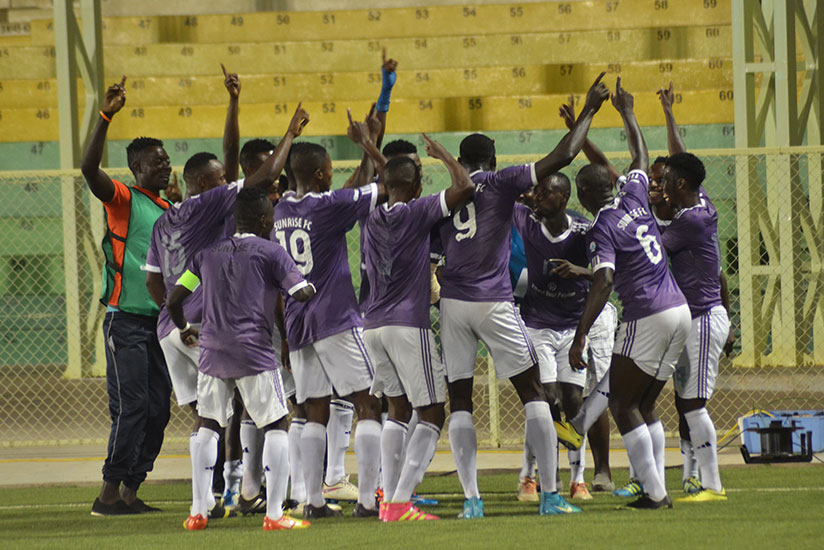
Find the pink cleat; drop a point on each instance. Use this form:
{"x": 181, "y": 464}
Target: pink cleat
{"x": 404, "y": 511}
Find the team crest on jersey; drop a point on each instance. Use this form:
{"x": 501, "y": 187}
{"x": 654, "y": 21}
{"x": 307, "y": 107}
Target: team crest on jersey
{"x": 591, "y": 247}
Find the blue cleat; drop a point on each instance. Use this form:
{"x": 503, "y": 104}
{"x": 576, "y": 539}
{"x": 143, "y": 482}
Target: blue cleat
{"x": 473, "y": 508}
{"x": 633, "y": 488}
{"x": 554, "y": 503}
{"x": 418, "y": 500}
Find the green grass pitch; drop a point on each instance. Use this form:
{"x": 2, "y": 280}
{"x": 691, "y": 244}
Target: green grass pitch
{"x": 769, "y": 506}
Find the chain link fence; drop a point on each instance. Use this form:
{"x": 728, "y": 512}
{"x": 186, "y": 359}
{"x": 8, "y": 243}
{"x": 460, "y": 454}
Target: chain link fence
{"x": 771, "y": 230}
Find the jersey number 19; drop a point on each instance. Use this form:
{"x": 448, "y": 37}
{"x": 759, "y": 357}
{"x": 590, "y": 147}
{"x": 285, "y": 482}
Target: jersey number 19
{"x": 300, "y": 248}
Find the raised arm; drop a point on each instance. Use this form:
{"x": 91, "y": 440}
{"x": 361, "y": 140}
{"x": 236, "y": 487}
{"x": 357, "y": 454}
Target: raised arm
{"x": 593, "y": 153}
{"x": 598, "y": 295}
{"x": 365, "y": 172}
{"x": 269, "y": 172}
{"x": 358, "y": 132}
{"x": 99, "y": 182}
{"x": 624, "y": 104}
{"x": 388, "y": 78}
{"x": 571, "y": 144}
{"x": 462, "y": 188}
{"x": 675, "y": 144}
{"x": 231, "y": 132}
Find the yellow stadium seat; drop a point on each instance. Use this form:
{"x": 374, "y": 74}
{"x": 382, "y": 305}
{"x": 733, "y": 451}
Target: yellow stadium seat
{"x": 527, "y": 112}
{"x": 424, "y": 21}
{"x": 36, "y": 62}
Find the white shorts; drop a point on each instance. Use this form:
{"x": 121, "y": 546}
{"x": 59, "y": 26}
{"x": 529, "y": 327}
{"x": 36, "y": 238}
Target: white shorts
{"x": 655, "y": 342}
{"x": 285, "y": 376}
{"x": 338, "y": 362}
{"x": 697, "y": 368}
{"x": 600, "y": 342}
{"x": 406, "y": 363}
{"x": 552, "y": 347}
{"x": 497, "y": 324}
{"x": 262, "y": 396}
{"x": 182, "y": 362}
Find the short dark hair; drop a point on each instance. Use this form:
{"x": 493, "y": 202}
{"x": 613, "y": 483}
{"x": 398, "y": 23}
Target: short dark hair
{"x": 400, "y": 172}
{"x": 399, "y": 147}
{"x": 250, "y": 204}
{"x": 689, "y": 167}
{"x": 196, "y": 163}
{"x": 253, "y": 147}
{"x": 661, "y": 160}
{"x": 477, "y": 149}
{"x": 307, "y": 158}
{"x": 560, "y": 179}
{"x": 594, "y": 176}
{"x": 137, "y": 146}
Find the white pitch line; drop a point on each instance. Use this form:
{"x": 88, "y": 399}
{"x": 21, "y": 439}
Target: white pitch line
{"x": 433, "y": 495}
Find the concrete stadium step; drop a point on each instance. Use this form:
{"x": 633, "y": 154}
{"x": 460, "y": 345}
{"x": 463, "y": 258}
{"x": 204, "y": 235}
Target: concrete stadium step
{"x": 45, "y": 154}
{"x": 622, "y": 46}
{"x": 494, "y": 113}
{"x": 400, "y": 22}
{"x": 641, "y": 76}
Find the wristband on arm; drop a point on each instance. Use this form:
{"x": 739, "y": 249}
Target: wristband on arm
{"x": 386, "y": 90}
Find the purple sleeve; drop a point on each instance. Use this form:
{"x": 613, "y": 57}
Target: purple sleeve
{"x": 431, "y": 209}
{"x": 520, "y": 217}
{"x": 351, "y": 205}
{"x": 601, "y": 249}
{"x": 284, "y": 271}
{"x": 152, "y": 256}
{"x": 515, "y": 180}
{"x": 219, "y": 202}
{"x": 636, "y": 186}
{"x": 435, "y": 244}
{"x": 678, "y": 234}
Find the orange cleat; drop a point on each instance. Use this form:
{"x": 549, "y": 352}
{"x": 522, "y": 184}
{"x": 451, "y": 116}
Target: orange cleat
{"x": 284, "y": 523}
{"x": 195, "y": 523}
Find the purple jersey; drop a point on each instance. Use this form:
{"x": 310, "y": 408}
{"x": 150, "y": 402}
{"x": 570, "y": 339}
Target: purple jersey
{"x": 183, "y": 230}
{"x": 396, "y": 247}
{"x": 312, "y": 229}
{"x": 240, "y": 279}
{"x": 691, "y": 241}
{"x": 552, "y": 301}
{"x": 475, "y": 241}
{"x": 625, "y": 237}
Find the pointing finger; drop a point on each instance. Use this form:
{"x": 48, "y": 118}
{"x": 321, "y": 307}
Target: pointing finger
{"x": 123, "y": 81}
{"x": 383, "y": 55}
{"x": 618, "y": 85}
{"x": 349, "y": 114}
{"x": 600, "y": 76}
{"x": 224, "y": 71}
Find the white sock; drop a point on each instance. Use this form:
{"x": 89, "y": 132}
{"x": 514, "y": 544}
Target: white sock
{"x": 232, "y": 474}
{"x": 204, "y": 456}
{"x": 298, "y": 489}
{"x": 528, "y": 465}
{"x": 276, "y": 467}
{"x": 659, "y": 452}
{"x": 464, "y": 444}
{"x": 252, "y": 465}
{"x": 639, "y": 448}
{"x": 410, "y": 429}
{"x": 392, "y": 441}
{"x": 702, "y": 433}
{"x": 384, "y": 417}
{"x": 338, "y": 431}
{"x": 688, "y": 458}
{"x": 578, "y": 463}
{"x": 368, "y": 453}
{"x": 594, "y": 406}
{"x": 631, "y": 470}
{"x": 543, "y": 440}
{"x": 312, "y": 448}
{"x": 419, "y": 455}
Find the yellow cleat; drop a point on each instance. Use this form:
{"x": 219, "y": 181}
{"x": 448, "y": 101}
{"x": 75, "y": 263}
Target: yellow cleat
{"x": 704, "y": 495}
{"x": 568, "y": 436}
